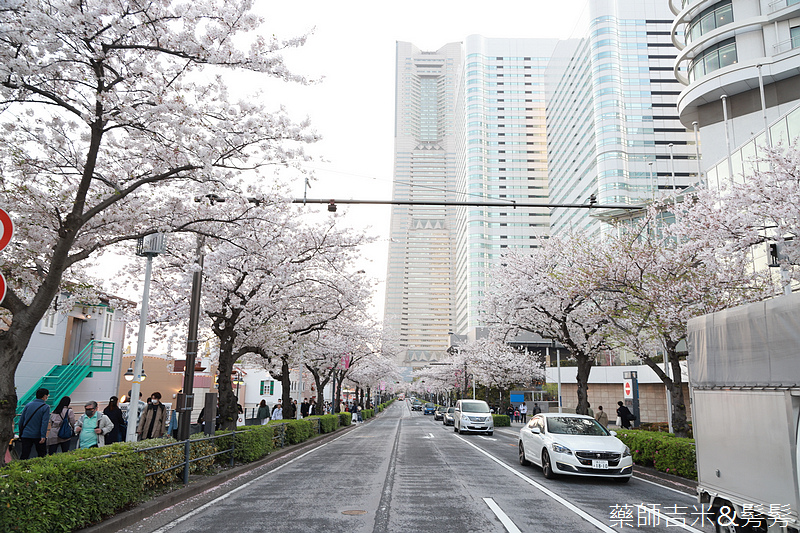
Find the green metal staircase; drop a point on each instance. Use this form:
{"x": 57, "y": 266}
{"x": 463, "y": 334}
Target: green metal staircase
{"x": 62, "y": 380}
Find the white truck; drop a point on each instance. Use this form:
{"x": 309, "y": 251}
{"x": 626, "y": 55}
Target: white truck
{"x": 744, "y": 374}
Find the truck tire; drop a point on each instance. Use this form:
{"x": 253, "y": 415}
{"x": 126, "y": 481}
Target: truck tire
{"x": 730, "y": 525}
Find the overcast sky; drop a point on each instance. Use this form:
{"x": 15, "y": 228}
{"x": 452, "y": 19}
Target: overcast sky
{"x": 353, "y": 49}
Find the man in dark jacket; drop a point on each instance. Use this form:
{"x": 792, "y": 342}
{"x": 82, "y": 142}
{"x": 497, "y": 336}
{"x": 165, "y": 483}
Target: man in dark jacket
{"x": 33, "y": 425}
{"x": 625, "y": 415}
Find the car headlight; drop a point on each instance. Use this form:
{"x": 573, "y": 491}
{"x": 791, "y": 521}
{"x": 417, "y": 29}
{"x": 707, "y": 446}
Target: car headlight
{"x": 561, "y": 449}
{"x": 627, "y": 452}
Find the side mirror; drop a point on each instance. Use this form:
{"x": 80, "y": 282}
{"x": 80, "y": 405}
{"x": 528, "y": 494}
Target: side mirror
{"x": 536, "y": 430}
{"x": 612, "y": 433}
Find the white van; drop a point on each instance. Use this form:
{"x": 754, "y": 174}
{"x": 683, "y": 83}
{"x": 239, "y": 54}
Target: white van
{"x": 473, "y": 415}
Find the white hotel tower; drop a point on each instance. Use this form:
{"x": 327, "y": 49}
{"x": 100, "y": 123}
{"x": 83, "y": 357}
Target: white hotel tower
{"x": 420, "y": 279}
{"x": 739, "y": 61}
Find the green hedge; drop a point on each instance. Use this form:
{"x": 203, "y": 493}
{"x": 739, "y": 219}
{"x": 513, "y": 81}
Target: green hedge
{"x": 663, "y": 451}
{"x": 298, "y": 431}
{"x": 65, "y": 492}
{"x": 327, "y": 423}
{"x": 251, "y": 444}
{"x": 501, "y": 421}
{"x": 367, "y": 413}
{"x": 345, "y": 419}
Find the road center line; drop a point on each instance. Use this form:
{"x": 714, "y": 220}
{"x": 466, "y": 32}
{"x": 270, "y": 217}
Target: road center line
{"x": 578, "y": 511}
{"x": 503, "y": 517}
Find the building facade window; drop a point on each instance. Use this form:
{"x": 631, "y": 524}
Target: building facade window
{"x": 795, "y": 35}
{"x": 267, "y": 387}
{"x": 108, "y": 323}
{"x": 718, "y": 56}
{"x": 49, "y": 322}
{"x": 710, "y": 19}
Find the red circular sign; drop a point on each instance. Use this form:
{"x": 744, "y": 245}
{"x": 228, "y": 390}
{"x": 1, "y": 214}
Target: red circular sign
{"x": 2, "y": 287}
{"x": 8, "y": 230}
{"x": 627, "y": 388}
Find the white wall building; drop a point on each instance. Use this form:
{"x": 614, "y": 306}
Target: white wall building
{"x": 730, "y": 49}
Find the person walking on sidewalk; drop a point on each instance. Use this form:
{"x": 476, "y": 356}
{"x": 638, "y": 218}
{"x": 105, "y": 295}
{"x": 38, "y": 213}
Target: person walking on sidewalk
{"x": 92, "y": 427}
{"x": 523, "y": 412}
{"x": 601, "y": 416}
{"x": 33, "y": 425}
{"x": 62, "y": 414}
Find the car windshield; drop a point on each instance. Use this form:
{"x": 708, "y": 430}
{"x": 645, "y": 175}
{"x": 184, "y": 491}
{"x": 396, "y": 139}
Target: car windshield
{"x": 474, "y": 407}
{"x": 429, "y": 405}
{"x": 451, "y": 409}
{"x": 567, "y": 425}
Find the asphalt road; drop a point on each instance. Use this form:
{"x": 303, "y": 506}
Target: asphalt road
{"x": 404, "y": 472}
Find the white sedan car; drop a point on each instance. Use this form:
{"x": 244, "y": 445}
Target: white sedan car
{"x": 577, "y": 445}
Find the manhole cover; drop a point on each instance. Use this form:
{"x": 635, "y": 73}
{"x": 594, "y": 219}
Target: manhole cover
{"x": 354, "y": 512}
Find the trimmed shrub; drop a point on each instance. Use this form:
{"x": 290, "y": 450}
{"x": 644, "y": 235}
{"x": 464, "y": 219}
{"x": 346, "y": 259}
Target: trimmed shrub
{"x": 251, "y": 444}
{"x": 345, "y": 419}
{"x": 367, "y": 413}
{"x": 663, "y": 451}
{"x": 298, "y": 431}
{"x": 501, "y": 421}
{"x": 65, "y": 492}
{"x": 328, "y": 423}
{"x": 157, "y": 460}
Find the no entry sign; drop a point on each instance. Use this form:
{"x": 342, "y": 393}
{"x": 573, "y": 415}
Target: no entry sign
{"x": 7, "y": 229}
{"x": 627, "y": 389}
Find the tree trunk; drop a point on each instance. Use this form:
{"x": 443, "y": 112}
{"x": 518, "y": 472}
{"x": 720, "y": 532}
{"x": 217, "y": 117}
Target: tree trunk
{"x": 228, "y": 412}
{"x": 286, "y": 384}
{"x": 584, "y": 368}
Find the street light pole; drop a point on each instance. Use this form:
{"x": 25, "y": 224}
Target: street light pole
{"x": 148, "y": 247}
{"x": 186, "y": 400}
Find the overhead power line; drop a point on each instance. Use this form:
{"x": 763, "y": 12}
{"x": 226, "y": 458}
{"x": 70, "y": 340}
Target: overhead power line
{"x": 513, "y": 205}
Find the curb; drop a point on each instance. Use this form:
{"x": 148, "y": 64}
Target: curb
{"x": 202, "y": 484}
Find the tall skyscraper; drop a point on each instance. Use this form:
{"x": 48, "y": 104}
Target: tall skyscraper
{"x": 420, "y": 277}
{"x": 504, "y": 159}
{"x": 614, "y": 135}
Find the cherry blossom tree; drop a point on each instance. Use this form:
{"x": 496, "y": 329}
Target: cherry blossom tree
{"x": 268, "y": 283}
{"x": 114, "y": 116}
{"x": 649, "y": 282}
{"x": 548, "y": 293}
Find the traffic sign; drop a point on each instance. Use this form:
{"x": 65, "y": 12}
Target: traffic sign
{"x": 2, "y": 287}
{"x": 7, "y": 228}
{"x": 628, "y": 390}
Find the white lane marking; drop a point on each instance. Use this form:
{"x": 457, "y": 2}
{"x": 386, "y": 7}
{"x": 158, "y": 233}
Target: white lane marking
{"x": 487, "y": 438}
{"x": 190, "y": 514}
{"x": 660, "y": 485}
{"x": 428, "y": 436}
{"x": 578, "y": 511}
{"x": 503, "y": 517}
{"x": 668, "y": 519}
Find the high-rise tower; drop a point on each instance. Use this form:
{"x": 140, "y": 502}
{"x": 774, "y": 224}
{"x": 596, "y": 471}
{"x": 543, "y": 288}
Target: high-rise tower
{"x": 419, "y": 286}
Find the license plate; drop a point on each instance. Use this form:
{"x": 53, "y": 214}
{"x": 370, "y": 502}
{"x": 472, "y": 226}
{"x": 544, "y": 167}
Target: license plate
{"x": 599, "y": 465}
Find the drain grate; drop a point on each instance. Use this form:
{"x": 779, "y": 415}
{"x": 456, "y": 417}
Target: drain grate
{"x": 354, "y": 512}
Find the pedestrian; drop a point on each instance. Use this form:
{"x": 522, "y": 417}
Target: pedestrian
{"x": 33, "y": 424}
{"x": 601, "y": 416}
{"x": 62, "y": 414}
{"x": 92, "y": 427}
{"x": 536, "y": 409}
{"x": 114, "y": 413}
{"x": 624, "y": 416}
{"x": 523, "y": 412}
{"x": 312, "y": 408}
{"x": 516, "y": 414}
{"x": 139, "y": 409}
{"x": 263, "y": 412}
{"x": 304, "y": 407}
{"x": 589, "y": 410}
{"x": 154, "y": 421}
{"x": 201, "y": 418}
{"x": 353, "y": 413}
{"x": 277, "y": 411}
{"x": 510, "y": 412}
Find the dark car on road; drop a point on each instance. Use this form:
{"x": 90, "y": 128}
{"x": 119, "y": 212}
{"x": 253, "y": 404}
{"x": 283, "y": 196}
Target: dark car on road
{"x": 438, "y": 414}
{"x": 428, "y": 409}
{"x": 416, "y": 405}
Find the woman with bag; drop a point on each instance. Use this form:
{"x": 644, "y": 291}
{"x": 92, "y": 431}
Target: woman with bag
{"x": 114, "y": 413}
{"x": 59, "y": 434}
